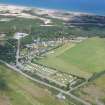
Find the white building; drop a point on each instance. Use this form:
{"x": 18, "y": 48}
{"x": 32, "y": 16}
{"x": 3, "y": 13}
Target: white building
{"x": 19, "y": 35}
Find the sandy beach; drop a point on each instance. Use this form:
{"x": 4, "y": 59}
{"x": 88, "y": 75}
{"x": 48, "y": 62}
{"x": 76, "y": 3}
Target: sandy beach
{"x": 16, "y": 10}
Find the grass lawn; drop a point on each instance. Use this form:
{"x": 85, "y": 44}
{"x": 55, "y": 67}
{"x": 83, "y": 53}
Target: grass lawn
{"x": 83, "y": 59}
{"x": 22, "y": 91}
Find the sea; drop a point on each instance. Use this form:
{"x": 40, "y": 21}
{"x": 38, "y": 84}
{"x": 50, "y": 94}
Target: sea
{"x": 88, "y": 6}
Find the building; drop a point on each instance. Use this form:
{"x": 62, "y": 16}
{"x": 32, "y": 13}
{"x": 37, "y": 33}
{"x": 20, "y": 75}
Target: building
{"x": 19, "y": 35}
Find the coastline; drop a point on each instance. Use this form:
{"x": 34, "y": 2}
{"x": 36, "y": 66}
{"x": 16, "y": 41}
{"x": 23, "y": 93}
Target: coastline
{"x": 15, "y": 10}
{"x": 46, "y": 9}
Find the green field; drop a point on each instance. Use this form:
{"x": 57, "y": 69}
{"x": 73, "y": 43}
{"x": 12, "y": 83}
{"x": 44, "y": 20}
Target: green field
{"x": 83, "y": 59}
{"x": 22, "y": 91}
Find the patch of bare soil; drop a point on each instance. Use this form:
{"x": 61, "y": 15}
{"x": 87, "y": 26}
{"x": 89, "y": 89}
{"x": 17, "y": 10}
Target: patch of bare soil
{"x": 92, "y": 93}
{"x": 4, "y": 100}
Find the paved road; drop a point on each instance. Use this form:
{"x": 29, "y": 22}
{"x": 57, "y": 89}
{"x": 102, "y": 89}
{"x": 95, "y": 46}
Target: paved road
{"x": 46, "y": 84}
{"x": 82, "y": 84}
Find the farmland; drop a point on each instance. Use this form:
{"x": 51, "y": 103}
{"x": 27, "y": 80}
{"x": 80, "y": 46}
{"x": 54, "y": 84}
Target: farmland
{"x": 83, "y": 59}
{"x": 22, "y": 91}
{"x": 94, "y": 92}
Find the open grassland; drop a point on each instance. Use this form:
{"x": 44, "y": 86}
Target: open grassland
{"x": 82, "y": 59}
{"x": 22, "y": 91}
{"x": 94, "y": 92}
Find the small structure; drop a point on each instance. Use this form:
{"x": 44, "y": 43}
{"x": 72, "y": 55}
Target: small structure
{"x": 61, "y": 96}
{"x": 2, "y": 35}
{"x": 19, "y": 35}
